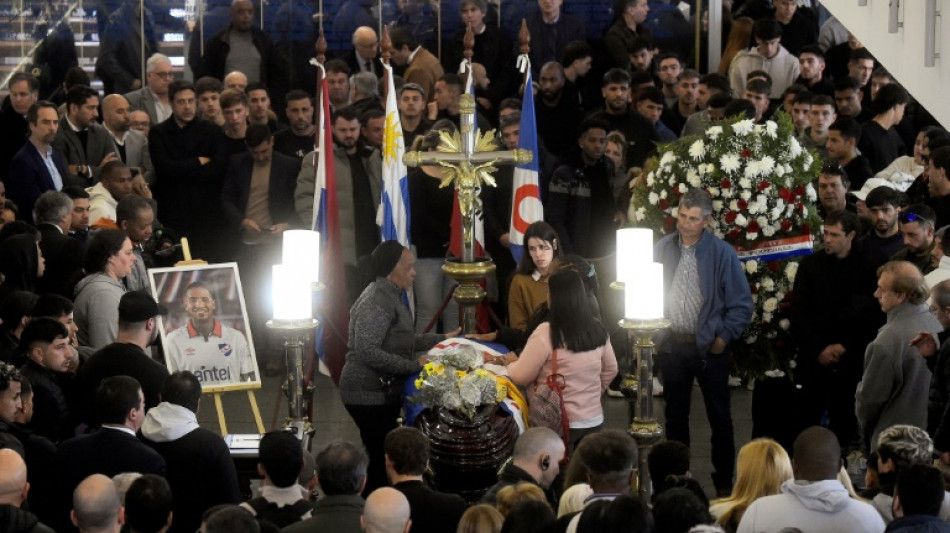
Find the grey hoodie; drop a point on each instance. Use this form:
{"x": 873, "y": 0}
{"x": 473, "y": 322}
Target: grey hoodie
{"x": 816, "y": 507}
{"x": 167, "y": 422}
{"x": 97, "y": 309}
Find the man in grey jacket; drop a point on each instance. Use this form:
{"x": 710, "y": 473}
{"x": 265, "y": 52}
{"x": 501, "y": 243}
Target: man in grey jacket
{"x": 895, "y": 374}
{"x": 358, "y": 189}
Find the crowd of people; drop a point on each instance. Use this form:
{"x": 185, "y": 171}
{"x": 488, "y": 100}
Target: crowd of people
{"x": 95, "y": 189}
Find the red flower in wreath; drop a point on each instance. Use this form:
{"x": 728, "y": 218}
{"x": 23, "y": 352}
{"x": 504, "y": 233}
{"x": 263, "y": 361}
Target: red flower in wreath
{"x": 730, "y": 217}
{"x": 725, "y": 184}
{"x": 746, "y": 153}
{"x": 785, "y": 194}
{"x": 664, "y": 204}
{"x": 742, "y": 205}
{"x": 786, "y": 225}
{"x": 763, "y": 185}
{"x": 753, "y": 226}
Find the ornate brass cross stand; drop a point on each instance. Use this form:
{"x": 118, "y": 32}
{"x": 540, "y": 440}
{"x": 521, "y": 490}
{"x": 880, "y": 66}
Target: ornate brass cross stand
{"x": 468, "y": 160}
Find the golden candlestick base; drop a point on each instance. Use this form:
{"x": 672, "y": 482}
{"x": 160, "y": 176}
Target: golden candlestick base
{"x": 469, "y": 292}
{"x": 637, "y": 388}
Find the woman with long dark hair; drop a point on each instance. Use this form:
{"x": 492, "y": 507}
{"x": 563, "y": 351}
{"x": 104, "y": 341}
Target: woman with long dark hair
{"x": 528, "y": 290}
{"x": 585, "y": 357}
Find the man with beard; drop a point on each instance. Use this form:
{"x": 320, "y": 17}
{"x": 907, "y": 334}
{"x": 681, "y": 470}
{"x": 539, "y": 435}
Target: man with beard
{"x": 190, "y": 158}
{"x": 127, "y": 356}
{"x": 556, "y": 114}
{"x": 298, "y": 140}
{"x": 359, "y": 184}
{"x": 131, "y": 146}
{"x": 917, "y": 226}
{"x": 687, "y": 85}
{"x": 85, "y": 144}
{"x": 885, "y": 239}
{"x": 638, "y": 131}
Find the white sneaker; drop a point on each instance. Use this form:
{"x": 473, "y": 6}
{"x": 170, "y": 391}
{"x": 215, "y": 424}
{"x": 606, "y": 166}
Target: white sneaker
{"x": 657, "y": 388}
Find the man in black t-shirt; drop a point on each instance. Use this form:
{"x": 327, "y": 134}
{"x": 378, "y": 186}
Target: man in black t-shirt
{"x": 298, "y": 140}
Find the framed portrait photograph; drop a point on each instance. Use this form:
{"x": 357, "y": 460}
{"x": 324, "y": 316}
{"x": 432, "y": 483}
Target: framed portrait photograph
{"x": 206, "y": 330}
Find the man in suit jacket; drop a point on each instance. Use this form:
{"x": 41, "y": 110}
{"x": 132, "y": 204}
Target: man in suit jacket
{"x": 423, "y": 68}
{"x": 364, "y": 55}
{"x": 198, "y": 465}
{"x": 37, "y": 167}
{"x": 86, "y": 145}
{"x": 63, "y": 254}
{"x": 407, "y": 458}
{"x": 114, "y": 449}
{"x": 257, "y": 201}
{"x": 131, "y": 146}
{"x": 153, "y": 98}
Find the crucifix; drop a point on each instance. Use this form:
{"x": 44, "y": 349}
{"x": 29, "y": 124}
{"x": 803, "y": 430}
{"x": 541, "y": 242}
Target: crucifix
{"x": 468, "y": 159}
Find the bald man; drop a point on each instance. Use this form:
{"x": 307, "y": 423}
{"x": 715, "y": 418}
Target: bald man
{"x": 96, "y": 506}
{"x": 13, "y": 491}
{"x": 130, "y": 145}
{"x": 386, "y": 511}
{"x": 364, "y": 55}
{"x": 236, "y": 80}
{"x": 895, "y": 375}
{"x": 536, "y": 459}
{"x": 240, "y": 46}
{"x": 815, "y": 500}
{"x": 556, "y": 113}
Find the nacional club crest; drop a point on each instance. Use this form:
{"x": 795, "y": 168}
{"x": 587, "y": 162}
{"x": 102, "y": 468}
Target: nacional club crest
{"x": 225, "y": 349}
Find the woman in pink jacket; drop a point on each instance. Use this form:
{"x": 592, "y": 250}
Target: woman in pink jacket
{"x": 584, "y": 355}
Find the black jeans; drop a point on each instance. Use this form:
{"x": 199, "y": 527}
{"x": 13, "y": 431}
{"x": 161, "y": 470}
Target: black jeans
{"x": 681, "y": 364}
{"x": 375, "y": 422}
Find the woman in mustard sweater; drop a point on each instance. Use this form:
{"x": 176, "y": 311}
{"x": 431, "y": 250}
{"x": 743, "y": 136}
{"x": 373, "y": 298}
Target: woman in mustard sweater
{"x": 529, "y": 284}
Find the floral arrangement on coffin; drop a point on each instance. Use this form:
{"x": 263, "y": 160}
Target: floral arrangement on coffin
{"x": 457, "y": 381}
{"x": 760, "y": 180}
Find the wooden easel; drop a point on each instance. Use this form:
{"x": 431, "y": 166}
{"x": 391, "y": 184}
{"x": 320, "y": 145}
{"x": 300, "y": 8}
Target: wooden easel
{"x": 217, "y": 391}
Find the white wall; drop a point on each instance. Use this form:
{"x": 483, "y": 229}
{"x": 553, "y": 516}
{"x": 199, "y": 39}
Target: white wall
{"x": 902, "y": 53}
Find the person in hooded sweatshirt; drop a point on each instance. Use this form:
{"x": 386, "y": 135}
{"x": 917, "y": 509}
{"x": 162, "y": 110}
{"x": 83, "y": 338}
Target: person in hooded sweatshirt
{"x": 815, "y": 501}
{"x": 198, "y": 464}
{"x": 109, "y": 259}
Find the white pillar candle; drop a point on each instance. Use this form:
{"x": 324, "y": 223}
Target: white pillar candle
{"x": 291, "y": 294}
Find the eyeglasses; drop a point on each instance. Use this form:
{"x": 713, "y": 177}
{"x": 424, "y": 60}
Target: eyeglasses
{"x": 906, "y": 217}
{"x": 165, "y": 75}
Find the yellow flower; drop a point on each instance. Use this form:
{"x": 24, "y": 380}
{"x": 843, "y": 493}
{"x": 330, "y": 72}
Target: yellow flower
{"x": 419, "y": 383}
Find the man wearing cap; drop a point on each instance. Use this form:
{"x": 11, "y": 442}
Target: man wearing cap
{"x": 412, "y": 108}
{"x": 216, "y": 354}
{"x": 128, "y": 355}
